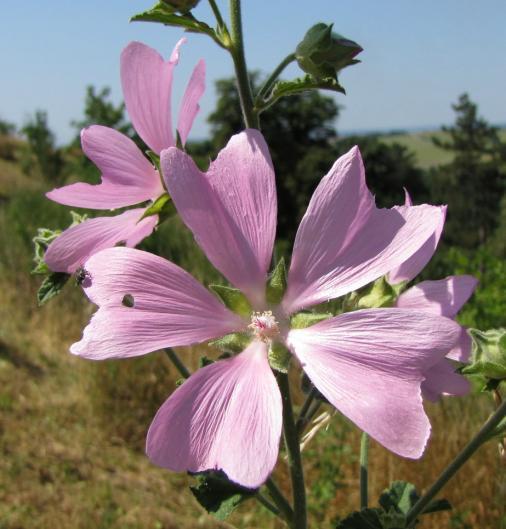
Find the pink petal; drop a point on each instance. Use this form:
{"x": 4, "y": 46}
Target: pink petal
{"x": 127, "y": 176}
{"x": 75, "y": 245}
{"x": 231, "y": 209}
{"x": 170, "y": 307}
{"x": 445, "y": 296}
{"x": 227, "y": 416}
{"x": 370, "y": 364}
{"x": 416, "y": 263}
{"x": 345, "y": 242}
{"x": 190, "y": 102}
{"x": 147, "y": 87}
{"x": 462, "y": 351}
{"x": 441, "y": 379}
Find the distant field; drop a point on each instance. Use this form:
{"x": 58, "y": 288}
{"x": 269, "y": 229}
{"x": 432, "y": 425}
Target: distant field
{"x": 427, "y": 154}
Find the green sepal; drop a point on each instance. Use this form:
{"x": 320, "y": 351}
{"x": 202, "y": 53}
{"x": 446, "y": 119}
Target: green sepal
{"x": 279, "y": 357}
{"x": 499, "y": 431}
{"x": 276, "y": 284}
{"x": 301, "y": 320}
{"x": 155, "y": 160}
{"x": 164, "y": 14}
{"x": 489, "y": 354}
{"x": 41, "y": 241}
{"x": 232, "y": 343}
{"x": 180, "y": 381}
{"x": 51, "y": 286}
{"x": 322, "y": 53}
{"x": 162, "y": 206}
{"x": 218, "y": 495}
{"x": 379, "y": 295}
{"x": 233, "y": 299}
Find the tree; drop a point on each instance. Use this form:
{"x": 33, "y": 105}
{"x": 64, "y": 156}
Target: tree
{"x": 475, "y": 181}
{"x": 42, "y": 149}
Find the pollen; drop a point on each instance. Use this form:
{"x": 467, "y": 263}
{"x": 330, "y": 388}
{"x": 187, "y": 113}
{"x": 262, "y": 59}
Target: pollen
{"x": 264, "y": 325}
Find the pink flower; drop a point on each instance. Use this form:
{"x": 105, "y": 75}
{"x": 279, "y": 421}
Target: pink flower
{"x": 369, "y": 364}
{"x": 128, "y": 177}
{"x": 445, "y": 297}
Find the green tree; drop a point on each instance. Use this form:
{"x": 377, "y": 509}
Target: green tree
{"x": 474, "y": 182}
{"x": 42, "y": 151}
{"x": 7, "y": 128}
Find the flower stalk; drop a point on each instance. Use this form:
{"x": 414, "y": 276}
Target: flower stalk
{"x": 473, "y": 445}
{"x": 364, "y": 471}
{"x": 174, "y": 358}
{"x": 294, "y": 458}
{"x": 269, "y": 83}
{"x": 237, "y": 51}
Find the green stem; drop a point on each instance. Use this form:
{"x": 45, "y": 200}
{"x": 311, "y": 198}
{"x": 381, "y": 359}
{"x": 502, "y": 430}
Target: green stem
{"x": 364, "y": 470}
{"x": 293, "y": 451}
{"x": 454, "y": 466}
{"x": 267, "y": 504}
{"x": 184, "y": 372}
{"x": 241, "y": 72}
{"x": 217, "y": 14}
{"x": 307, "y": 411}
{"x": 274, "y": 76}
{"x": 280, "y": 501}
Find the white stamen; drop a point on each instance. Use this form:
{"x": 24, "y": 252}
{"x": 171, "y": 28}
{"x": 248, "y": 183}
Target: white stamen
{"x": 264, "y": 325}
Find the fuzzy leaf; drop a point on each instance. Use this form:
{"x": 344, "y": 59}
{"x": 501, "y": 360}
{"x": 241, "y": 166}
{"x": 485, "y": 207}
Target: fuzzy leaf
{"x": 164, "y": 14}
{"x": 304, "y": 84}
{"x": 51, "y": 286}
{"x": 379, "y": 295}
{"x": 218, "y": 495}
{"x": 279, "y": 357}
{"x": 364, "y": 519}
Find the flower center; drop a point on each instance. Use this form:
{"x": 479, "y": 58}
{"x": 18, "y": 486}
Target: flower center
{"x": 264, "y": 325}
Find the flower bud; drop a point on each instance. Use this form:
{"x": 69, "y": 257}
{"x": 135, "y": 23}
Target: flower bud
{"x": 322, "y": 53}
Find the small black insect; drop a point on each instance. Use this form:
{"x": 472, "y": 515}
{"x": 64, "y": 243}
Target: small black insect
{"x": 81, "y": 275}
{"x": 128, "y": 300}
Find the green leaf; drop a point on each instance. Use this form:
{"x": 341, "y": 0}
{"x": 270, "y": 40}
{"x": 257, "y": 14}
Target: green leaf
{"x": 41, "y": 241}
{"x": 401, "y": 496}
{"x": 182, "y": 6}
{"x": 302, "y": 320}
{"x": 232, "y": 343}
{"x": 364, "y": 519}
{"x": 322, "y": 53}
{"x": 164, "y": 14}
{"x": 162, "y": 207}
{"x": 234, "y": 299}
{"x": 51, "y": 286}
{"x": 279, "y": 357}
{"x": 304, "y": 84}
{"x": 489, "y": 354}
{"x": 218, "y": 495}
{"x": 276, "y": 285}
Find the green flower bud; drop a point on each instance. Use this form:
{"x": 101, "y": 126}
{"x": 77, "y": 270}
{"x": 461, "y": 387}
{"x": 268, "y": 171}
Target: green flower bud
{"x": 489, "y": 354}
{"x": 323, "y": 53}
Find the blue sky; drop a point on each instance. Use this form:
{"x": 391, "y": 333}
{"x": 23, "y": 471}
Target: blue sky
{"x": 418, "y": 56}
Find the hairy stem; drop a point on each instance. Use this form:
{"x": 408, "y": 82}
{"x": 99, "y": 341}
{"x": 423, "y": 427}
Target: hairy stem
{"x": 274, "y": 77}
{"x": 241, "y": 72}
{"x": 456, "y": 464}
{"x": 280, "y": 501}
{"x": 174, "y": 358}
{"x": 217, "y": 14}
{"x": 294, "y": 460}
{"x": 364, "y": 470}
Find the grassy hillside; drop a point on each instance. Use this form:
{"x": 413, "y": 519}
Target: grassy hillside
{"x": 72, "y": 431}
{"x": 427, "y": 154}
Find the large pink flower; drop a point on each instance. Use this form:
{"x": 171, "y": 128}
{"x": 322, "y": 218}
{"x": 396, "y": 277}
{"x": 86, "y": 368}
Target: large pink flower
{"x": 369, "y": 364}
{"x": 128, "y": 177}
